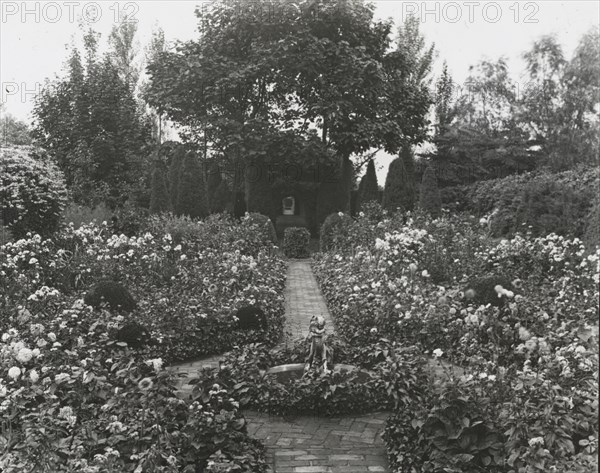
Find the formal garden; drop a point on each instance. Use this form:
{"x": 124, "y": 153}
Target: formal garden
{"x": 250, "y": 298}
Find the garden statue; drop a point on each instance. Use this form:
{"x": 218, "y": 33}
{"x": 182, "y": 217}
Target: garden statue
{"x": 318, "y": 350}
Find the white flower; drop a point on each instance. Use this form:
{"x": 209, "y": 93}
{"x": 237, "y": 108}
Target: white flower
{"x": 156, "y": 363}
{"x": 59, "y": 378}
{"x": 33, "y": 261}
{"x": 524, "y": 334}
{"x": 491, "y": 377}
{"x": 52, "y": 336}
{"x": 412, "y": 267}
{"x": 437, "y": 353}
{"x": 34, "y": 376}
{"x": 182, "y": 257}
{"x": 24, "y": 355}
{"x": 14, "y": 372}
{"x": 425, "y": 273}
{"x": 5, "y": 337}
{"x": 536, "y": 441}
{"x": 483, "y": 375}
{"x": 234, "y": 269}
{"x": 483, "y": 221}
{"x": 341, "y": 214}
{"x": 381, "y": 244}
{"x": 374, "y": 330}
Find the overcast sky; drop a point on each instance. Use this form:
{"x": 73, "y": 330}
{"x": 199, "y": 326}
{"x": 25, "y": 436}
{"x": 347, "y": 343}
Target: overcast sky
{"x": 34, "y": 36}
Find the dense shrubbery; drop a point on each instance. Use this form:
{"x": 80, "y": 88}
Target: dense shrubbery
{"x": 528, "y": 398}
{"x": 540, "y": 202}
{"x": 295, "y": 242}
{"x": 592, "y": 231}
{"x": 32, "y": 192}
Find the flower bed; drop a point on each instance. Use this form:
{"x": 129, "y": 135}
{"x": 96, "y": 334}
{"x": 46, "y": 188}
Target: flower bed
{"x": 188, "y": 292}
{"x": 531, "y": 385}
{"x": 75, "y": 398}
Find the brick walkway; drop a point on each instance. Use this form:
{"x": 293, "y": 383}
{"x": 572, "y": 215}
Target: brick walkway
{"x": 303, "y": 299}
{"x": 321, "y": 445}
{"x": 309, "y": 444}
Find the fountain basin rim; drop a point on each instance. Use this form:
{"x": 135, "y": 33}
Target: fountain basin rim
{"x": 300, "y": 367}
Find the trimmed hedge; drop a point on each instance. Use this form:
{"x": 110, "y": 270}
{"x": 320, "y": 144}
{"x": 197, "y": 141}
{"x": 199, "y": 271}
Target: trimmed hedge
{"x": 295, "y": 242}
{"x": 541, "y": 202}
{"x": 264, "y": 225}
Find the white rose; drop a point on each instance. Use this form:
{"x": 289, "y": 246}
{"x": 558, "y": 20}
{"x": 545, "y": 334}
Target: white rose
{"x": 437, "y": 353}
{"x": 14, "y": 372}
{"x": 24, "y": 355}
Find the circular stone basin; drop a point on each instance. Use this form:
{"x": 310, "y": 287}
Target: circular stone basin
{"x": 294, "y": 371}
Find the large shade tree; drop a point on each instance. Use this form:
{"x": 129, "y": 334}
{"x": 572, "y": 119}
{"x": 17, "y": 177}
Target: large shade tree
{"x": 326, "y": 67}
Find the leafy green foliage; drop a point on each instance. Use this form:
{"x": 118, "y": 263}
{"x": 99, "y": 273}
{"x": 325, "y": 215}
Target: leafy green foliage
{"x": 399, "y": 190}
{"x": 592, "y": 232}
{"x": 32, "y": 191}
{"x": 111, "y": 293}
{"x": 429, "y": 199}
{"x": 240, "y": 82}
{"x": 295, "y": 242}
{"x": 484, "y": 291}
{"x": 385, "y": 375}
{"x": 90, "y": 123}
{"x": 541, "y": 202}
{"x": 14, "y": 132}
{"x": 80, "y": 215}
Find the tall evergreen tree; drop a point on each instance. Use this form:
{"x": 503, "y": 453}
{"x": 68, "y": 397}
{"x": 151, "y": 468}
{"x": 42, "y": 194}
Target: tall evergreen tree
{"x": 368, "y": 189}
{"x": 399, "y": 191}
{"x": 160, "y": 200}
{"x": 430, "y": 199}
{"x": 191, "y": 195}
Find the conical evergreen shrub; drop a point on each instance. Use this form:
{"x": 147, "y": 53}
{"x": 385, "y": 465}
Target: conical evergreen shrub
{"x": 160, "y": 201}
{"x": 399, "y": 191}
{"x": 191, "y": 195}
{"x": 368, "y": 189}
{"x": 430, "y": 199}
{"x": 174, "y": 171}
{"x": 213, "y": 182}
